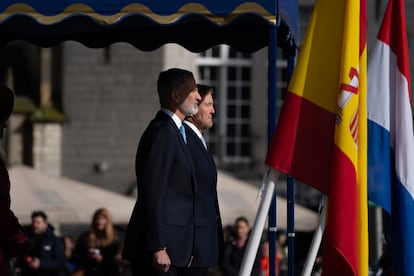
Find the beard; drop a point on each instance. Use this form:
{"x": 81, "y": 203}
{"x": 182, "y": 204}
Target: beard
{"x": 188, "y": 109}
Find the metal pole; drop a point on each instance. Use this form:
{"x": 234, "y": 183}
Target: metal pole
{"x": 291, "y": 225}
{"x": 378, "y": 230}
{"x": 272, "y": 228}
{"x": 316, "y": 241}
{"x": 257, "y": 230}
{"x": 291, "y": 189}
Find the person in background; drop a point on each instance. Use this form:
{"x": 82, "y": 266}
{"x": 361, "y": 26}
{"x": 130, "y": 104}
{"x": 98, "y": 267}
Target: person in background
{"x": 46, "y": 256}
{"x": 96, "y": 250}
{"x": 69, "y": 246}
{"x": 160, "y": 237}
{"x": 282, "y": 252}
{"x": 209, "y": 244}
{"x": 235, "y": 249}
{"x": 265, "y": 262}
{"x": 14, "y": 241}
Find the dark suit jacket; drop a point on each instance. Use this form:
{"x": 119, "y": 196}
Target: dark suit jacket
{"x": 163, "y": 215}
{"x": 208, "y": 246}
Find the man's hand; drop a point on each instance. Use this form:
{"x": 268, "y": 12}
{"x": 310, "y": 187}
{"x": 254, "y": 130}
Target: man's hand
{"x": 35, "y": 264}
{"x": 161, "y": 260}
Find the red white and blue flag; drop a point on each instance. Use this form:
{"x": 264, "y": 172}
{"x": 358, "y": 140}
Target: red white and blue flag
{"x": 390, "y": 134}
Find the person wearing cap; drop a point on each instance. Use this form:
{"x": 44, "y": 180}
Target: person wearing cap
{"x": 209, "y": 249}
{"x": 160, "y": 235}
{"x": 13, "y": 239}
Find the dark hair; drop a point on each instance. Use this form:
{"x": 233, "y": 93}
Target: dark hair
{"x": 204, "y": 90}
{"x": 241, "y": 219}
{"x": 39, "y": 213}
{"x": 6, "y": 103}
{"x": 170, "y": 80}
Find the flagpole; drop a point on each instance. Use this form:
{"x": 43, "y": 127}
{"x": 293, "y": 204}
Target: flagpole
{"x": 291, "y": 225}
{"x": 291, "y": 182}
{"x": 272, "y": 91}
{"x": 258, "y": 226}
{"x": 316, "y": 241}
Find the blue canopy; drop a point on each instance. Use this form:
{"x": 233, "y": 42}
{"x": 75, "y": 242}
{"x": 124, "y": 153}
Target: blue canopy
{"x": 146, "y": 24}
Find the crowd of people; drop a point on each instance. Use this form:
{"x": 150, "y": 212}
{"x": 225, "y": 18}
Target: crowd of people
{"x": 97, "y": 251}
{"x": 175, "y": 228}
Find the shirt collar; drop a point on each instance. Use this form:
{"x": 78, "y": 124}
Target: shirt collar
{"x": 194, "y": 128}
{"x": 175, "y": 118}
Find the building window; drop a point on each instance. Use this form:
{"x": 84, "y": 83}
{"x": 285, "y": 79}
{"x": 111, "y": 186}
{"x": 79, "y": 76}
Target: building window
{"x": 229, "y": 73}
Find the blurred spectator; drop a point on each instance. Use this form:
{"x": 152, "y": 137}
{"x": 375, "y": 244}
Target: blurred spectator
{"x": 282, "y": 252}
{"x": 46, "y": 255}
{"x": 235, "y": 249}
{"x": 68, "y": 247}
{"x": 97, "y": 250}
{"x": 13, "y": 240}
{"x": 265, "y": 262}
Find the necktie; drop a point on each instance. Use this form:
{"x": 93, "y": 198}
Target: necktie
{"x": 182, "y": 131}
{"x": 204, "y": 142}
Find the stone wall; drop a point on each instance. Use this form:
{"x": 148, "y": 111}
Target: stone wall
{"x": 47, "y": 139}
{"x": 109, "y": 97}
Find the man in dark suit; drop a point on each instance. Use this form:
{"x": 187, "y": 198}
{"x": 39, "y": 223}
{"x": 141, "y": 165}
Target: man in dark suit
{"x": 160, "y": 235}
{"x": 208, "y": 247}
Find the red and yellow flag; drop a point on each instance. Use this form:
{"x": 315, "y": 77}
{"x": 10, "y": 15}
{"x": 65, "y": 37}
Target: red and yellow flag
{"x": 321, "y": 136}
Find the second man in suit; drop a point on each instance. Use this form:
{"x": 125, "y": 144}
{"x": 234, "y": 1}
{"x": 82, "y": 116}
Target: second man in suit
{"x": 208, "y": 248}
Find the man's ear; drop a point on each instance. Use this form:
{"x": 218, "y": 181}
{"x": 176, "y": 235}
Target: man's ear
{"x": 176, "y": 96}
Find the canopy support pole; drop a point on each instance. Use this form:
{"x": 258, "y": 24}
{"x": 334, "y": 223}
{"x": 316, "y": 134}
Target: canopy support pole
{"x": 291, "y": 186}
{"x": 291, "y": 225}
{"x": 272, "y": 108}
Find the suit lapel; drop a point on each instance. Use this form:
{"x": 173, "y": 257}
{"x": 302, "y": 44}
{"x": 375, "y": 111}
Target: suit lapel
{"x": 183, "y": 146}
{"x": 201, "y": 147}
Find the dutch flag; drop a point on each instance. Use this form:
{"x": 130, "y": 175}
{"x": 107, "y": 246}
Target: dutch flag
{"x": 390, "y": 134}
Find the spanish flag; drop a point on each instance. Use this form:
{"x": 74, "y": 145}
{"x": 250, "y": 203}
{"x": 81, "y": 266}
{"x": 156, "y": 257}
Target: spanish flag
{"x": 321, "y": 136}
